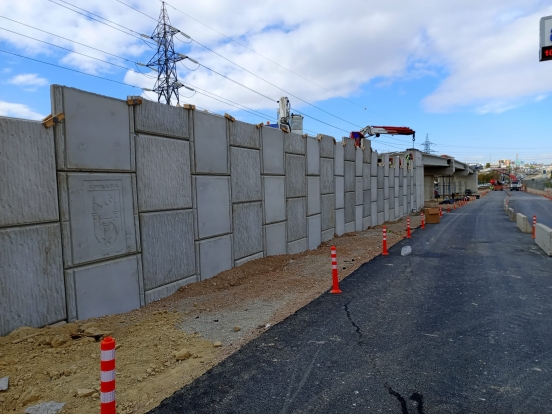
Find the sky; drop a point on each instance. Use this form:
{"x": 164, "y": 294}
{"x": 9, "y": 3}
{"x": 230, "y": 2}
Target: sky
{"x": 463, "y": 73}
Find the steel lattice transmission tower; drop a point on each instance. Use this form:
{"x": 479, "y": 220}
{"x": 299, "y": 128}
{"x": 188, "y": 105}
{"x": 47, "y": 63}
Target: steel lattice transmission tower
{"x": 427, "y": 145}
{"x": 165, "y": 59}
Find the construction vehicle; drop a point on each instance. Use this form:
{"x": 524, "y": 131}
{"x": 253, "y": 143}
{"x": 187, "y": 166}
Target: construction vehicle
{"x": 496, "y": 185}
{"x": 378, "y": 130}
{"x": 287, "y": 121}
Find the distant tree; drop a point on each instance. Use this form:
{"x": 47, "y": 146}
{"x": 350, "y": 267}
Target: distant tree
{"x": 488, "y": 165}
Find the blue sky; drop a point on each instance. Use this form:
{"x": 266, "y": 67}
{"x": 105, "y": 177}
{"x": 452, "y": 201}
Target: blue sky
{"x": 466, "y": 73}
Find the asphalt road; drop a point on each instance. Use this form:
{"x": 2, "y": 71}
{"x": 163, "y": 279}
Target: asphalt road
{"x": 462, "y": 325}
{"x": 529, "y": 204}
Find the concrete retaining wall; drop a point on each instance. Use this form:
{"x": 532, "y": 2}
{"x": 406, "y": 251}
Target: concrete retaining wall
{"x": 120, "y": 205}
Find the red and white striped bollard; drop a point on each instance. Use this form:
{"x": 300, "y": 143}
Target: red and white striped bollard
{"x": 534, "y": 227}
{"x": 335, "y": 279}
{"x": 107, "y": 375}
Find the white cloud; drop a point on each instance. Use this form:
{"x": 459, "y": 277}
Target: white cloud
{"x": 16, "y": 110}
{"x": 30, "y": 80}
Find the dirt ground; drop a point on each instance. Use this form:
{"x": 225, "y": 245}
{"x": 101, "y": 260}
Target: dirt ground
{"x": 169, "y": 343}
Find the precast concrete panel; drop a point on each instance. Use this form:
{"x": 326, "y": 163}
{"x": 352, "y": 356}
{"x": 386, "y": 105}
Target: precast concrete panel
{"x": 349, "y": 149}
{"x": 350, "y": 199}
{"x": 210, "y": 144}
{"x": 273, "y": 151}
{"x": 101, "y": 208}
{"x": 386, "y": 165}
{"x": 358, "y": 218}
{"x": 168, "y": 250}
{"x": 380, "y": 201}
{"x": 374, "y": 188}
{"x": 248, "y": 229}
{"x": 397, "y": 166}
{"x": 167, "y": 290}
{"x": 327, "y": 235}
{"x": 96, "y": 132}
{"x": 396, "y": 182}
{"x": 358, "y": 162}
{"x": 349, "y": 176}
{"x": 339, "y": 160}
{"x": 358, "y": 191}
{"x": 366, "y": 222}
{"x": 28, "y": 190}
{"x": 245, "y": 165}
{"x": 385, "y": 187}
{"x": 391, "y": 214}
{"x": 213, "y": 205}
{"x": 381, "y": 218}
{"x": 374, "y": 213}
{"x": 314, "y": 227}
{"x": 163, "y": 173}
{"x": 406, "y": 210}
{"x": 391, "y": 193}
{"x": 340, "y": 222}
{"x": 367, "y": 200}
{"x": 248, "y": 259}
{"x": 366, "y": 179}
{"x": 386, "y": 210}
{"x": 296, "y": 181}
{"x": 350, "y": 227}
{"x": 381, "y": 177}
{"x": 160, "y": 119}
{"x": 326, "y": 176}
{"x": 391, "y": 181}
{"x": 245, "y": 135}
{"x": 215, "y": 256}
{"x": 296, "y": 219}
{"x": 105, "y": 288}
{"x": 313, "y": 156}
{"x": 327, "y": 145}
{"x": 339, "y": 192}
{"x": 396, "y": 207}
{"x": 32, "y": 290}
{"x": 295, "y": 144}
{"x": 328, "y": 212}
{"x": 274, "y": 199}
{"x": 275, "y": 239}
{"x": 313, "y": 195}
{"x": 366, "y": 151}
{"x": 298, "y": 246}
{"x": 374, "y": 164}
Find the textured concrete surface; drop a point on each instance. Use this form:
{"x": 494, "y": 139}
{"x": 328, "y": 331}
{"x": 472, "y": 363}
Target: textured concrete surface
{"x": 386, "y": 216}
{"x": 380, "y": 200}
{"x": 392, "y": 214}
{"x": 31, "y": 277}
{"x": 366, "y": 222}
{"x": 295, "y": 144}
{"x": 543, "y": 238}
{"x": 160, "y": 119}
{"x": 241, "y": 134}
{"x": 96, "y": 132}
{"x": 374, "y": 164}
{"x": 358, "y": 191}
{"x": 366, "y": 178}
{"x": 313, "y": 156}
{"x": 215, "y": 256}
{"x": 358, "y": 163}
{"x": 167, "y": 290}
{"x": 274, "y": 199}
{"x": 340, "y": 222}
{"x": 381, "y": 218}
{"x": 296, "y": 181}
{"x": 350, "y": 199}
{"x": 358, "y": 218}
{"x": 272, "y": 151}
{"x": 374, "y": 213}
{"x": 213, "y": 205}
{"x": 327, "y": 146}
{"x": 275, "y": 239}
{"x": 107, "y": 288}
{"x": 248, "y": 229}
{"x": 326, "y": 176}
{"x": 391, "y": 193}
{"x": 339, "y": 160}
{"x": 523, "y": 223}
{"x": 397, "y": 208}
{"x": 102, "y": 220}
{"x": 163, "y": 173}
{"x": 245, "y": 165}
{"x": 168, "y": 252}
{"x": 298, "y": 246}
{"x": 350, "y": 227}
{"x": 367, "y": 203}
{"x": 313, "y": 195}
{"x": 339, "y": 192}
{"x": 374, "y": 188}
{"x": 381, "y": 177}
{"x": 210, "y": 144}
{"x": 386, "y": 187}
{"x": 28, "y": 190}
{"x": 349, "y": 149}
{"x": 314, "y": 228}
{"x": 511, "y": 214}
{"x": 327, "y": 235}
{"x": 248, "y": 259}
{"x": 328, "y": 211}
{"x": 349, "y": 176}
{"x": 296, "y": 219}
{"x": 386, "y": 165}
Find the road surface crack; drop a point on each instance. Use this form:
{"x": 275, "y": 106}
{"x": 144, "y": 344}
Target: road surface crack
{"x": 357, "y": 328}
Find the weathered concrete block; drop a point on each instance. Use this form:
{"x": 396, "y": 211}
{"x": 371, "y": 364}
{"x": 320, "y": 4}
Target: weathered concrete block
{"x": 358, "y": 218}
{"x": 339, "y": 192}
{"x": 543, "y": 238}
{"x": 340, "y": 222}
{"x": 296, "y": 219}
{"x": 313, "y": 156}
{"x": 397, "y": 168}
{"x": 381, "y": 218}
{"x": 374, "y": 164}
{"x": 328, "y": 211}
{"x": 366, "y": 222}
{"x": 328, "y": 234}
{"x": 391, "y": 214}
{"x": 391, "y": 193}
{"x": 210, "y": 144}
{"x": 366, "y": 179}
{"x": 350, "y": 227}
{"x": 374, "y": 213}
{"x": 272, "y": 151}
{"x": 397, "y": 208}
{"x": 295, "y": 144}
{"x": 103, "y": 220}
{"x": 298, "y": 246}
{"x": 339, "y": 160}
{"x": 349, "y": 176}
{"x": 28, "y": 190}
{"x": 95, "y": 134}
{"x": 105, "y": 288}
{"x": 313, "y": 195}
{"x": 380, "y": 201}
{"x": 386, "y": 210}
{"x": 163, "y": 173}
{"x": 314, "y": 224}
{"x": 350, "y": 199}
{"x": 358, "y": 191}
{"x": 381, "y": 177}
{"x": 248, "y": 229}
{"x": 367, "y": 202}
{"x": 274, "y": 199}
{"x": 167, "y": 290}
{"x": 160, "y": 119}
{"x": 396, "y": 182}
{"x": 248, "y": 259}
{"x": 358, "y": 162}
{"x": 385, "y": 187}
{"x": 215, "y": 256}
{"x": 213, "y": 205}
{"x": 511, "y": 214}
{"x": 245, "y": 165}
{"x": 327, "y": 145}
{"x": 275, "y": 239}
{"x": 523, "y": 223}
{"x": 245, "y": 135}
{"x": 31, "y": 277}
{"x": 349, "y": 149}
{"x": 386, "y": 165}
{"x": 296, "y": 181}
{"x": 374, "y": 188}
{"x": 367, "y": 150}
{"x": 326, "y": 176}
{"x": 391, "y": 182}
{"x": 168, "y": 251}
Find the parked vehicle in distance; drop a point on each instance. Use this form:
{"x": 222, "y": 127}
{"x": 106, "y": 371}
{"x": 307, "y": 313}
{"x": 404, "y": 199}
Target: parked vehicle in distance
{"x": 515, "y": 186}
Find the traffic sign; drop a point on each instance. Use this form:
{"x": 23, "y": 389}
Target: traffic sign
{"x": 545, "y": 50}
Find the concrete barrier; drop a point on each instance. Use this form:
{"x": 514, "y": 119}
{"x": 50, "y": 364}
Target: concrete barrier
{"x": 544, "y": 238}
{"x": 523, "y": 223}
{"x": 511, "y": 214}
